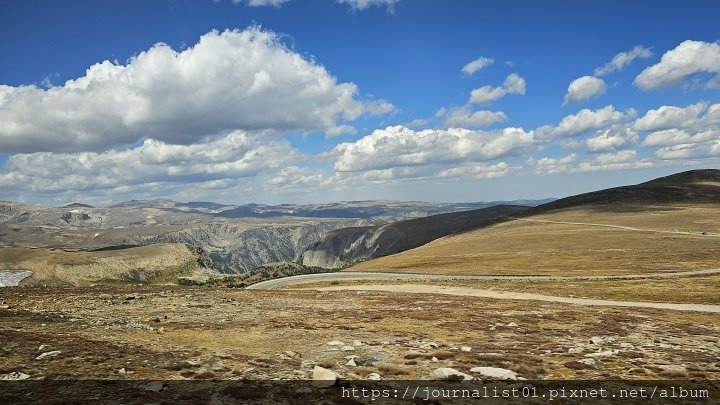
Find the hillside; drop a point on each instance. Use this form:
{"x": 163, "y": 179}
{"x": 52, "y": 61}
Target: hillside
{"x": 165, "y": 263}
{"x": 349, "y": 245}
{"x": 670, "y": 223}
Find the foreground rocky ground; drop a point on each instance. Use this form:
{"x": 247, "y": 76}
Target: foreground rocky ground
{"x": 171, "y": 333}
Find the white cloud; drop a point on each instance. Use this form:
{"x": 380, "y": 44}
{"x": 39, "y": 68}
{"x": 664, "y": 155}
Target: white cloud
{"x": 553, "y": 165}
{"x": 513, "y": 84}
{"x": 667, "y": 117}
{"x": 363, "y": 4}
{"x": 583, "y": 121}
{"x": 231, "y": 80}
{"x": 623, "y": 59}
{"x": 465, "y": 117}
{"x": 622, "y": 156}
{"x": 471, "y": 67}
{"x": 236, "y": 155}
{"x": 400, "y": 146}
{"x": 690, "y": 151}
{"x": 478, "y": 171}
{"x": 261, "y": 3}
{"x": 583, "y": 88}
{"x": 380, "y": 107}
{"x": 688, "y": 58}
{"x": 610, "y": 139}
{"x": 340, "y": 130}
{"x": 676, "y": 136}
{"x": 417, "y": 122}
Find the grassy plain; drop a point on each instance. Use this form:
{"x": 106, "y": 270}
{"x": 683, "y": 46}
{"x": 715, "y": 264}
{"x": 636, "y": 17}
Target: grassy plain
{"x": 598, "y": 242}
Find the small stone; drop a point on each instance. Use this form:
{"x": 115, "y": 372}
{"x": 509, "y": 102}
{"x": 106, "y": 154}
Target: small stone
{"x": 323, "y": 377}
{"x": 194, "y": 363}
{"x": 429, "y": 345}
{"x": 445, "y": 373}
{"x": 53, "y": 353}
{"x": 434, "y": 359}
{"x": 599, "y": 340}
{"x": 495, "y": 373}
{"x": 672, "y": 370}
{"x": 16, "y": 375}
{"x": 512, "y": 325}
{"x": 357, "y": 343}
{"x": 588, "y": 361}
{"x": 351, "y": 363}
{"x": 373, "y": 377}
{"x": 42, "y": 347}
{"x": 606, "y": 353}
{"x": 348, "y": 348}
{"x": 576, "y": 350}
{"x": 336, "y": 343}
{"x": 122, "y": 371}
{"x": 465, "y": 349}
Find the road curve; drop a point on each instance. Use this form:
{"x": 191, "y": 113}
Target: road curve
{"x": 360, "y": 276}
{"x": 508, "y": 295}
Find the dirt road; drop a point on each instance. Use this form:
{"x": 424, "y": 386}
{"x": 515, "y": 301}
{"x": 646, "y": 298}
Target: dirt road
{"x": 339, "y": 276}
{"x": 506, "y": 295}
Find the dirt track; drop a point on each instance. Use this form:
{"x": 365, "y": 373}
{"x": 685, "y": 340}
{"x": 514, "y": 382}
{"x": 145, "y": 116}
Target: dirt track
{"x": 339, "y": 276}
{"x": 506, "y": 295}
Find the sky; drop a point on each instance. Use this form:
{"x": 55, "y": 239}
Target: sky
{"x": 306, "y": 101}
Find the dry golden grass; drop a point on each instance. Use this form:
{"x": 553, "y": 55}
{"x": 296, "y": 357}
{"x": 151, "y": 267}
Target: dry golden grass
{"x": 145, "y": 263}
{"x": 539, "y": 248}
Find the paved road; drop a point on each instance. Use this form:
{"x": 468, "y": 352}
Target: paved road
{"x": 339, "y": 276}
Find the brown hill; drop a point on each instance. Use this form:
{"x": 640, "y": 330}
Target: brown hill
{"x": 666, "y": 224}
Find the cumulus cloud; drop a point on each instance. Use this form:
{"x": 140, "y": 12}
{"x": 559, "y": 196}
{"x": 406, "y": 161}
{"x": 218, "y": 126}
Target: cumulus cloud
{"x": 583, "y": 121}
{"x": 236, "y": 155}
{"x": 465, "y": 117}
{"x": 621, "y": 156}
{"x": 690, "y": 151}
{"x": 676, "y": 136}
{"x": 688, "y": 58}
{"x": 611, "y": 139}
{"x": 550, "y": 165}
{"x": 471, "y": 67}
{"x": 363, "y": 4}
{"x": 667, "y": 117}
{"x": 623, "y": 59}
{"x": 398, "y": 146}
{"x": 228, "y": 81}
{"x": 513, "y": 84}
{"x": 584, "y": 88}
{"x": 478, "y": 171}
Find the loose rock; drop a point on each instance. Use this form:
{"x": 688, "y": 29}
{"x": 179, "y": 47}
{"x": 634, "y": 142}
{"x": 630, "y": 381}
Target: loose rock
{"x": 495, "y": 372}
{"x": 53, "y": 353}
{"x": 323, "y": 377}
{"x": 447, "y": 373}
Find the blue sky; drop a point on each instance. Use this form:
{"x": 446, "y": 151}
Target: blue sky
{"x": 310, "y": 101}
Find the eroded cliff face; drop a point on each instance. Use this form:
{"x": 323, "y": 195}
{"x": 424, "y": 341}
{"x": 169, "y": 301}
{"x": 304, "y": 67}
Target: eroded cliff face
{"x": 237, "y": 248}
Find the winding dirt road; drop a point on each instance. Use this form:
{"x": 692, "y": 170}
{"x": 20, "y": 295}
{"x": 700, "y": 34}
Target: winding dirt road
{"x": 485, "y": 293}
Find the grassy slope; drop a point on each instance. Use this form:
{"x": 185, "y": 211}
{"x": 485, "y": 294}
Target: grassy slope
{"x": 155, "y": 263}
{"x": 687, "y": 202}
